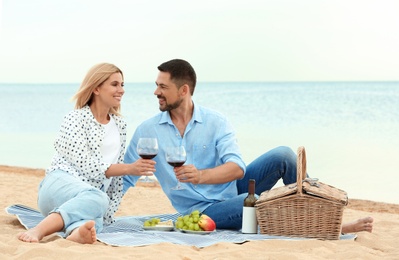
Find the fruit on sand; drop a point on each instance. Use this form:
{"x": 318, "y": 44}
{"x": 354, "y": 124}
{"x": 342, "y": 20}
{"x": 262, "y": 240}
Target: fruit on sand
{"x": 192, "y": 222}
{"x": 157, "y": 222}
{"x": 151, "y": 222}
{"x": 206, "y": 223}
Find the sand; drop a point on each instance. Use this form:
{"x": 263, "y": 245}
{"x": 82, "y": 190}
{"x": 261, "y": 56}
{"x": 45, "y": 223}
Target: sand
{"x": 19, "y": 185}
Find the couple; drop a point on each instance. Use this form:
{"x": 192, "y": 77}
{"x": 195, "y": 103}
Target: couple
{"x": 90, "y": 171}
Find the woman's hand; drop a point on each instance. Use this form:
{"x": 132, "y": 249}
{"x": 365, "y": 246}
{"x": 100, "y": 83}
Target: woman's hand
{"x": 143, "y": 167}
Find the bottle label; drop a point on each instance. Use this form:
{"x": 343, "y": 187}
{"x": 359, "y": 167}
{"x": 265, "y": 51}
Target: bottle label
{"x": 249, "y": 221}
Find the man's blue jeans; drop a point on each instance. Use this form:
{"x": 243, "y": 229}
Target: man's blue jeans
{"x": 267, "y": 170}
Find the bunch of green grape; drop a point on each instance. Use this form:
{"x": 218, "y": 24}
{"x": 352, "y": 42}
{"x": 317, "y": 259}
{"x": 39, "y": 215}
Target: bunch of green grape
{"x": 189, "y": 222}
{"x": 151, "y": 222}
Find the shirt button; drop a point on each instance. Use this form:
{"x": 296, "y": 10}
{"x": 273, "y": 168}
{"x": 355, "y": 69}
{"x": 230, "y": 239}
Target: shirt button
{"x": 204, "y": 146}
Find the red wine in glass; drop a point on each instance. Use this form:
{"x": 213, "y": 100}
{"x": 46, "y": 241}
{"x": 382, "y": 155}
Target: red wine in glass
{"x": 176, "y": 163}
{"x": 176, "y": 157}
{"x": 147, "y": 156}
{"x": 147, "y": 148}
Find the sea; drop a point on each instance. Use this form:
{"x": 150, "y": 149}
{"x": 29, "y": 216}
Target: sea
{"x": 350, "y": 130}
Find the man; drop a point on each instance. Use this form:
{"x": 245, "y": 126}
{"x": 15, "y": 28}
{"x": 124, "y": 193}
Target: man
{"x": 214, "y": 177}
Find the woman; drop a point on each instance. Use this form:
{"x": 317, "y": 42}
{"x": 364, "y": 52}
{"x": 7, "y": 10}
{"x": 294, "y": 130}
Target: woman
{"x": 83, "y": 187}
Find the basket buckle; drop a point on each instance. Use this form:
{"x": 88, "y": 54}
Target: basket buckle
{"x": 312, "y": 182}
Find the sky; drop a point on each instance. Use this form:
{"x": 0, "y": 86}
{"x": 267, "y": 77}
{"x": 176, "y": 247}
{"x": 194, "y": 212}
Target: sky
{"x": 55, "y": 41}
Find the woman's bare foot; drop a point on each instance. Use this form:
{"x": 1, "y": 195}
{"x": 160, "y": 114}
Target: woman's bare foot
{"x": 31, "y": 235}
{"x": 85, "y": 234}
{"x": 52, "y": 223}
{"x": 363, "y": 224}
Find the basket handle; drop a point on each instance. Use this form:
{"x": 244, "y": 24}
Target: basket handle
{"x": 300, "y": 168}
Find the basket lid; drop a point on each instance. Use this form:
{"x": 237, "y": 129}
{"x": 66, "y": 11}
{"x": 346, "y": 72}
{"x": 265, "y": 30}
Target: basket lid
{"x": 278, "y": 192}
{"x": 305, "y": 185}
{"x": 320, "y": 189}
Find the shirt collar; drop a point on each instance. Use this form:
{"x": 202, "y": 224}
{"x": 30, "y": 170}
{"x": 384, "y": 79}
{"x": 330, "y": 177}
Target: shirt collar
{"x": 118, "y": 120}
{"x": 165, "y": 116}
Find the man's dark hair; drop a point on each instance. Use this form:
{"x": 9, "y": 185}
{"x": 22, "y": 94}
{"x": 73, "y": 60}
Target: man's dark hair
{"x": 181, "y": 72}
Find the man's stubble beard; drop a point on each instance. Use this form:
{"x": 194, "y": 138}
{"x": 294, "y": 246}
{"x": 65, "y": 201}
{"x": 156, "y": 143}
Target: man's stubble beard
{"x": 170, "y": 107}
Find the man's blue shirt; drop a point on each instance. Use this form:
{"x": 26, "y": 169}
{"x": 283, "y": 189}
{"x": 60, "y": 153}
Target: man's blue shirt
{"x": 209, "y": 140}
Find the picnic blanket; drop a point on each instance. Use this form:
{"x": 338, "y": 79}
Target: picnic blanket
{"x": 128, "y": 231}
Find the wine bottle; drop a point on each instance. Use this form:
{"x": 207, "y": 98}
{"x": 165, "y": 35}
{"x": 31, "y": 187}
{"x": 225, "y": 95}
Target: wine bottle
{"x": 249, "y": 221}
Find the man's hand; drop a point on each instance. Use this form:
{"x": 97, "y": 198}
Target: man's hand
{"x": 188, "y": 173}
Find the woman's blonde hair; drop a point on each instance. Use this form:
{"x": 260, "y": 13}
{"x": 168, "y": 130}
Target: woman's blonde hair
{"x": 95, "y": 77}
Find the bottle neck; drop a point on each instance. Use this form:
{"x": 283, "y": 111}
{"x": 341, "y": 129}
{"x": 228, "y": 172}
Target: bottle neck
{"x": 251, "y": 187}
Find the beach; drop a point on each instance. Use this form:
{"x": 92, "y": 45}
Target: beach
{"x": 19, "y": 186}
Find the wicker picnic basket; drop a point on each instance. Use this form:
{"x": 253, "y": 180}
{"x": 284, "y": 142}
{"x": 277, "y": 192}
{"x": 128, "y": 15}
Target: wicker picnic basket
{"x": 307, "y": 208}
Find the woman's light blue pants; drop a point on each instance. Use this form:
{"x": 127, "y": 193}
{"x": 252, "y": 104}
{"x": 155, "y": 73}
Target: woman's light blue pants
{"x": 76, "y": 201}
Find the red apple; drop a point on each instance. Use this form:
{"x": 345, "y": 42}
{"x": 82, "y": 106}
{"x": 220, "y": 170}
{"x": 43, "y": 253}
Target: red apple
{"x": 206, "y": 223}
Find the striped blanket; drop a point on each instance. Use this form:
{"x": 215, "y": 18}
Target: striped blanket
{"x": 128, "y": 231}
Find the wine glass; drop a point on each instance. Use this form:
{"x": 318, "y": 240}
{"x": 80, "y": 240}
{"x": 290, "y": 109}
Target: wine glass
{"x": 176, "y": 157}
{"x": 147, "y": 148}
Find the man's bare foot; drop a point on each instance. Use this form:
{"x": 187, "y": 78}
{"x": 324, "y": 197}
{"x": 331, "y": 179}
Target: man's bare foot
{"x": 31, "y": 235}
{"x": 363, "y": 224}
{"x": 85, "y": 234}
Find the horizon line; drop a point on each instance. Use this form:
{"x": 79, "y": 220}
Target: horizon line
{"x": 199, "y": 82}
